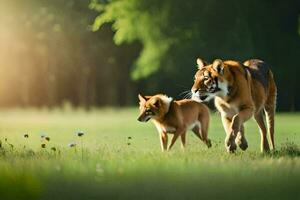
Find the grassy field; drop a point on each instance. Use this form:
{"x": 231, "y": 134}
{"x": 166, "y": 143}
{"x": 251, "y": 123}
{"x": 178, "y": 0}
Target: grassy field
{"x": 120, "y": 158}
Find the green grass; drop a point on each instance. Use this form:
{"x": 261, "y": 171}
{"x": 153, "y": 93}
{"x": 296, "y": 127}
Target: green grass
{"x": 111, "y": 166}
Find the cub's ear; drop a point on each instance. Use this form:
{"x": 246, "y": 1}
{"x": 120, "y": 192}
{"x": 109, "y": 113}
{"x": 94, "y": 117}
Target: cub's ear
{"x": 156, "y": 103}
{"x": 200, "y": 63}
{"x": 142, "y": 98}
{"x": 218, "y": 66}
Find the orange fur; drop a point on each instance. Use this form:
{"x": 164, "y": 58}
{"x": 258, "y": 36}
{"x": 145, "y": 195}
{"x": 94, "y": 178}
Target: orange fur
{"x": 246, "y": 90}
{"x": 175, "y": 117}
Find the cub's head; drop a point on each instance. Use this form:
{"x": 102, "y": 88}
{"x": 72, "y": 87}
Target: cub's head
{"x": 210, "y": 80}
{"x": 153, "y": 107}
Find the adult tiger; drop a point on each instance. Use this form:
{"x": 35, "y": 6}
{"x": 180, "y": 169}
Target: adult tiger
{"x": 239, "y": 91}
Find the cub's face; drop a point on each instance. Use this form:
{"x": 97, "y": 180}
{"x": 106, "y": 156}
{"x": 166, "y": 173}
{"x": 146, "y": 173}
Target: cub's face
{"x": 209, "y": 81}
{"x": 149, "y": 107}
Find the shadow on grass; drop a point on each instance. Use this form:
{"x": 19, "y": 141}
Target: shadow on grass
{"x": 208, "y": 186}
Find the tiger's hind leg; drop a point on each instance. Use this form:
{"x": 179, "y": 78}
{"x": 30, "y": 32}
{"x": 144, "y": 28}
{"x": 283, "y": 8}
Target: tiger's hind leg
{"x": 270, "y": 107}
{"x": 259, "y": 117}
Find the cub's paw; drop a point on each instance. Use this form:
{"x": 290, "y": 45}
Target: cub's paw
{"x": 208, "y": 143}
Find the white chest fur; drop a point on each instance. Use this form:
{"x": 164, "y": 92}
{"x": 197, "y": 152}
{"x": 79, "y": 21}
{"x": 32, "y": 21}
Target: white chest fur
{"x": 162, "y": 128}
{"x": 226, "y": 109}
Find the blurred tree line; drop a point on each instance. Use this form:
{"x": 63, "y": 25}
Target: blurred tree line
{"x": 49, "y": 56}
{"x": 103, "y": 52}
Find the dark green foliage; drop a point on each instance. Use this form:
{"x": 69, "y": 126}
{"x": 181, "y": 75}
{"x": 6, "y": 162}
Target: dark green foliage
{"x": 174, "y": 33}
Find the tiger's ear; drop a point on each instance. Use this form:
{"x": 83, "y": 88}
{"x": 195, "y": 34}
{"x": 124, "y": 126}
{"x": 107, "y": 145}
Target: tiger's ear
{"x": 147, "y": 97}
{"x": 200, "y": 63}
{"x": 218, "y": 66}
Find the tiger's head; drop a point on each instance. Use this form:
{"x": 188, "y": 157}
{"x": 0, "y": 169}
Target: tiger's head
{"x": 211, "y": 80}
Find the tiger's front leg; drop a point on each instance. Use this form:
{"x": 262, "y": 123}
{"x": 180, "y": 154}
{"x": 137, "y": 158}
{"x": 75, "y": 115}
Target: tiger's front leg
{"x": 230, "y": 137}
{"x": 240, "y": 139}
{"x": 237, "y": 128}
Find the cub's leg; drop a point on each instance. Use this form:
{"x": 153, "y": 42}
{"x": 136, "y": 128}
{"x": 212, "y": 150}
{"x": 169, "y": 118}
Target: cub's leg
{"x": 263, "y": 131}
{"x": 183, "y": 140}
{"x": 201, "y": 133}
{"x": 230, "y": 137}
{"x": 196, "y": 130}
{"x": 204, "y": 123}
{"x": 163, "y": 141}
{"x": 240, "y": 139}
{"x": 173, "y": 140}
